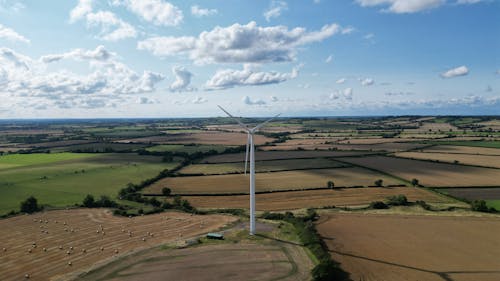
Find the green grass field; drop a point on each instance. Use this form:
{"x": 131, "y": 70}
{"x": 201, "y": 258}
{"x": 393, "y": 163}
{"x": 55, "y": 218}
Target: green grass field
{"x": 493, "y": 204}
{"x": 262, "y": 166}
{"x": 186, "y": 148}
{"x": 62, "y": 179}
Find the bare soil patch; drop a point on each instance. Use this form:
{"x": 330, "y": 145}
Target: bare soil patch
{"x": 103, "y": 236}
{"x": 280, "y": 201}
{"x": 474, "y": 193}
{"x": 397, "y": 247}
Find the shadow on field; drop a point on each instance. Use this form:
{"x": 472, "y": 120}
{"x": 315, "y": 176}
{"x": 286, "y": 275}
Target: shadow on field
{"x": 444, "y": 275}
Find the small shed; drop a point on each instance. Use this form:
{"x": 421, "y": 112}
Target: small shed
{"x": 217, "y": 236}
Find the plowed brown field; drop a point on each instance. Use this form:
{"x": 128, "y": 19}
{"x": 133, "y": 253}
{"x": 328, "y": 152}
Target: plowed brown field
{"x": 81, "y": 229}
{"x": 492, "y": 161}
{"x": 280, "y": 201}
{"x": 429, "y": 173}
{"x": 412, "y": 248}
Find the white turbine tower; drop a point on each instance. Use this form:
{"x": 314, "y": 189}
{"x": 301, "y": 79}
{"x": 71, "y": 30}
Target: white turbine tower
{"x": 250, "y": 133}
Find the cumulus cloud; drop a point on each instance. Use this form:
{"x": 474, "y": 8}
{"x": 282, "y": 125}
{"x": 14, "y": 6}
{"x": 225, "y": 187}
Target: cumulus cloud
{"x": 229, "y": 78}
{"x": 346, "y": 94}
{"x": 83, "y": 8}
{"x": 329, "y": 59}
{"x": 469, "y": 1}
{"x": 158, "y": 12}
{"x": 199, "y": 100}
{"x": 182, "y": 79}
{"x": 347, "y": 30}
{"x": 273, "y": 98}
{"x": 454, "y": 72}
{"x": 197, "y": 11}
{"x": 402, "y": 6}
{"x": 99, "y": 54}
{"x": 341, "y": 81}
{"x": 399, "y": 93}
{"x": 108, "y": 80}
{"x": 10, "y": 35}
{"x": 146, "y": 100}
{"x": 248, "y": 101}
{"x": 239, "y": 43}
{"x": 275, "y": 9}
{"x": 112, "y": 28}
{"x": 367, "y": 81}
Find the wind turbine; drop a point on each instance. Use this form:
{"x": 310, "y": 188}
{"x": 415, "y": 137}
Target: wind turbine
{"x": 251, "y": 147}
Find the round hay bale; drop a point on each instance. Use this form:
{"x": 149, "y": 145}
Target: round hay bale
{"x": 45, "y": 249}
{"x": 116, "y": 251}
{"x": 70, "y": 263}
{"x": 68, "y": 253}
{"x": 27, "y": 276}
{"x": 60, "y": 247}
{"x": 29, "y": 251}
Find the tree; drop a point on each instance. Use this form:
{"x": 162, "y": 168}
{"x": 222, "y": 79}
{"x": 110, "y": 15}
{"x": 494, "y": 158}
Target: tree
{"x": 30, "y": 205}
{"x": 166, "y": 191}
{"x": 379, "y": 182}
{"x": 330, "y": 184}
{"x": 153, "y": 201}
{"x": 479, "y": 205}
{"x": 397, "y": 200}
{"x": 89, "y": 201}
{"x": 414, "y": 182}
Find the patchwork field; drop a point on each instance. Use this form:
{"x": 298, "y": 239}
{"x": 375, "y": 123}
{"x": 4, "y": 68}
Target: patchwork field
{"x": 62, "y": 244}
{"x": 277, "y": 155}
{"x": 391, "y": 146}
{"x": 186, "y": 148}
{"x": 262, "y": 166}
{"x": 492, "y": 161}
{"x": 241, "y": 261}
{"x": 206, "y": 137}
{"x": 61, "y": 179}
{"x": 430, "y": 173}
{"x": 395, "y": 247}
{"x": 473, "y": 193}
{"x": 289, "y": 180}
{"x": 291, "y": 200}
{"x": 463, "y": 150}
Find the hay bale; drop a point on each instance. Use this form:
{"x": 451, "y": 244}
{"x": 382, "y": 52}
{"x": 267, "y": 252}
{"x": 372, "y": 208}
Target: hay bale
{"x": 70, "y": 263}
{"x": 27, "y": 276}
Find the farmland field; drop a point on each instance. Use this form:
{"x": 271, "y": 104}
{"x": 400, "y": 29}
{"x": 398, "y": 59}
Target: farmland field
{"x": 463, "y": 150}
{"x": 262, "y": 166}
{"x": 289, "y": 180}
{"x": 61, "y": 179}
{"x": 277, "y": 155}
{"x": 240, "y": 261}
{"x": 492, "y": 161}
{"x": 430, "y": 173}
{"x": 89, "y": 229}
{"x": 281, "y": 201}
{"x": 396, "y": 247}
{"x": 185, "y": 148}
{"x": 391, "y": 146}
{"x": 222, "y": 138}
{"x": 473, "y": 193}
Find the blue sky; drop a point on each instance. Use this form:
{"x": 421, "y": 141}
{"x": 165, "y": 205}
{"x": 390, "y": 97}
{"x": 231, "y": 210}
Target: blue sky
{"x": 156, "y": 58}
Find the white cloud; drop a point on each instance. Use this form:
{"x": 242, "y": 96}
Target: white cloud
{"x": 402, "y": 6}
{"x": 348, "y": 30}
{"x": 341, "y": 81}
{"x": 275, "y": 9}
{"x": 199, "y": 100}
{"x": 229, "y": 78}
{"x": 158, "y": 12}
{"x": 112, "y": 28}
{"x": 146, "y": 100}
{"x": 182, "y": 79}
{"x": 108, "y": 80}
{"x": 346, "y": 94}
{"x": 461, "y": 2}
{"x": 399, "y": 93}
{"x": 454, "y": 72}
{"x": 11, "y": 35}
{"x": 239, "y": 43}
{"x": 248, "y": 101}
{"x": 329, "y": 59}
{"x": 273, "y": 98}
{"x": 99, "y": 54}
{"x": 197, "y": 11}
{"x": 83, "y": 8}
{"x": 367, "y": 81}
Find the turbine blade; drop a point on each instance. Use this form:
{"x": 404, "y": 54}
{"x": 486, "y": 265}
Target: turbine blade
{"x": 256, "y": 128}
{"x": 246, "y": 154}
{"x": 234, "y": 118}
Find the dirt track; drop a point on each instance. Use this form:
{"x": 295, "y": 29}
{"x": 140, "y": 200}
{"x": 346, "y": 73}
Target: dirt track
{"x": 81, "y": 229}
{"x": 411, "y": 248}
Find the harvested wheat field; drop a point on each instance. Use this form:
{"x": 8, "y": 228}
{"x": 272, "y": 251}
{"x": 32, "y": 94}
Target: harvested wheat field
{"x": 391, "y": 146}
{"x": 208, "y": 137}
{"x": 492, "y": 161}
{"x": 291, "y": 200}
{"x": 240, "y": 261}
{"x": 459, "y": 149}
{"x": 413, "y": 248}
{"x": 430, "y": 173}
{"x": 277, "y": 155}
{"x": 289, "y": 180}
{"x": 58, "y": 244}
